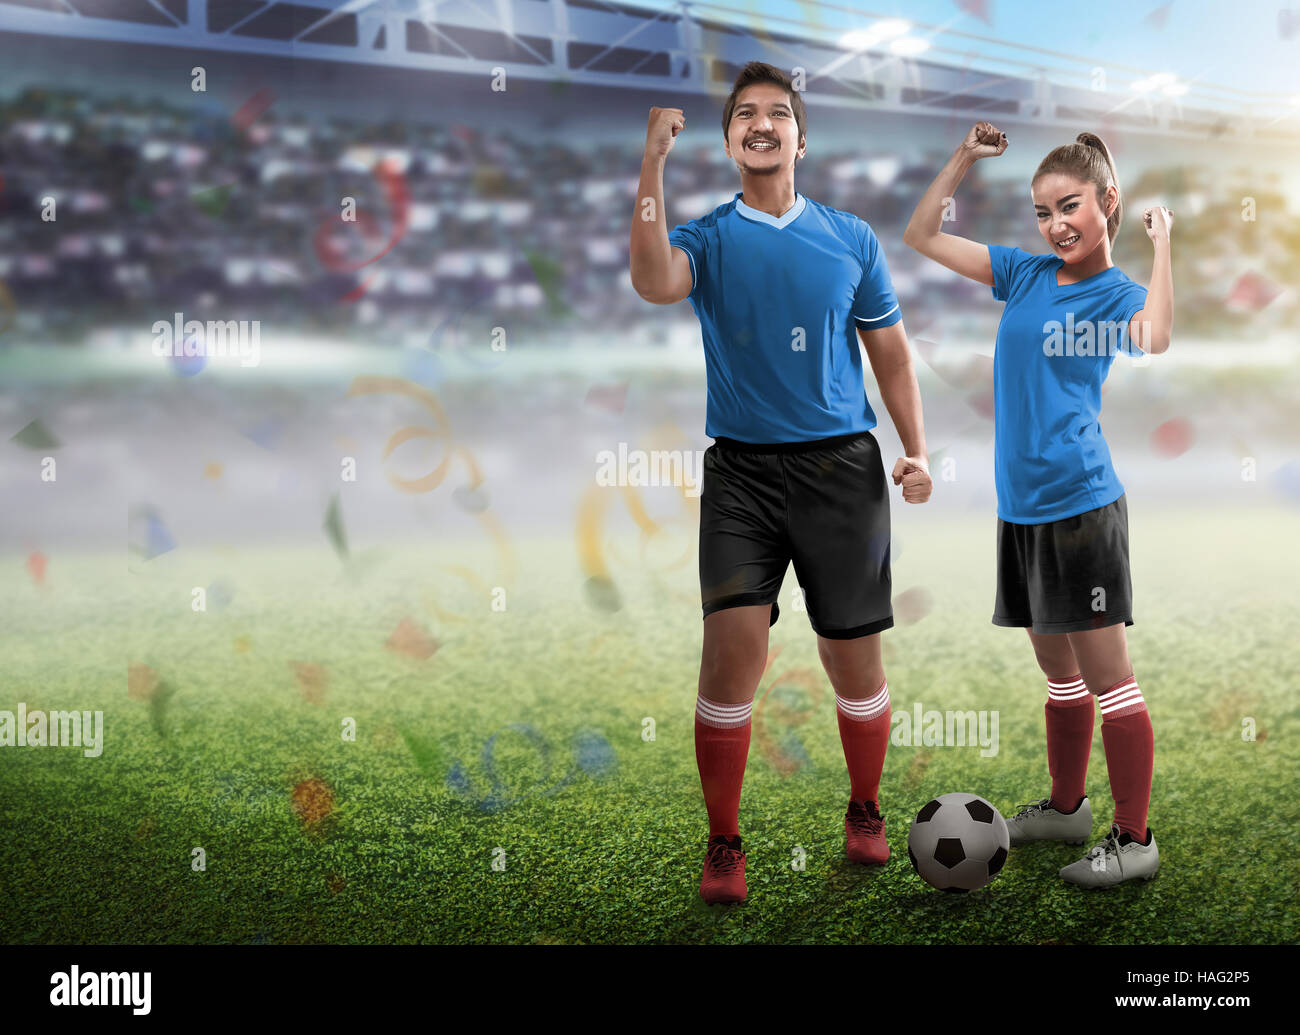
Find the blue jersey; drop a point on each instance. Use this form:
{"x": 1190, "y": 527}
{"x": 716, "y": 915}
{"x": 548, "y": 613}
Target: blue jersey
{"x": 779, "y": 301}
{"x": 1055, "y": 346}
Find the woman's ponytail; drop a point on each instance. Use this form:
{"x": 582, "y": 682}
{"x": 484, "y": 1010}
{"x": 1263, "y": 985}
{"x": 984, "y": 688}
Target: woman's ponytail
{"x": 1088, "y": 159}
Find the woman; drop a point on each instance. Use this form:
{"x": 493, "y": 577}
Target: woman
{"x": 1063, "y": 567}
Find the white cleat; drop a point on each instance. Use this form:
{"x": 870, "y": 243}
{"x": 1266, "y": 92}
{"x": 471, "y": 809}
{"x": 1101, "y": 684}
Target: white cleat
{"x": 1113, "y": 860}
{"x": 1038, "y": 822}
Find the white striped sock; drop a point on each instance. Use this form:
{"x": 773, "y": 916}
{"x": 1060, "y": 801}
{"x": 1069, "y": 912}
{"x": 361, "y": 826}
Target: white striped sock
{"x": 1064, "y": 690}
{"x": 724, "y": 716}
{"x": 1123, "y": 695}
{"x": 864, "y": 709}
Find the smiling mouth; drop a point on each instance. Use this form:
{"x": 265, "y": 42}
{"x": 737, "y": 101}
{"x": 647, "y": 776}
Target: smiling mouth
{"x": 1068, "y": 243}
{"x": 761, "y": 145}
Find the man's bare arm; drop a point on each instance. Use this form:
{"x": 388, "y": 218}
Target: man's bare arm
{"x": 891, "y": 362}
{"x": 660, "y": 272}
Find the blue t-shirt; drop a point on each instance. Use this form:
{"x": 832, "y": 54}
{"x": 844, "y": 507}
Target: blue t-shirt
{"x": 1055, "y": 346}
{"x": 778, "y": 301}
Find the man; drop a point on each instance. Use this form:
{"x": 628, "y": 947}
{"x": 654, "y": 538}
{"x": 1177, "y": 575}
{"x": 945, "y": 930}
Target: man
{"x": 779, "y": 282}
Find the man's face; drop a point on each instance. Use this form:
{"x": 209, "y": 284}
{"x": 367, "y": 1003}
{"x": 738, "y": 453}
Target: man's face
{"x": 763, "y": 115}
{"x": 1069, "y": 217}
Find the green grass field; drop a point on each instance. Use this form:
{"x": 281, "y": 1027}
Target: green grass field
{"x": 230, "y": 710}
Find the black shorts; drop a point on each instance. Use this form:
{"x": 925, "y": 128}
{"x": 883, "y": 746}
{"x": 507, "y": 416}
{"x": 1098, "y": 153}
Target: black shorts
{"x": 1065, "y": 576}
{"x": 823, "y": 505}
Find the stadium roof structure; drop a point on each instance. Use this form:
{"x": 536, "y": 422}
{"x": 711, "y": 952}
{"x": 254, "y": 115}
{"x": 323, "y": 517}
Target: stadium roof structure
{"x": 691, "y": 46}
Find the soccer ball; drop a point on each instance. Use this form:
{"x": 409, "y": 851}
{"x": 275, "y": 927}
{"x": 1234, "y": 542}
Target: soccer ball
{"x": 958, "y": 842}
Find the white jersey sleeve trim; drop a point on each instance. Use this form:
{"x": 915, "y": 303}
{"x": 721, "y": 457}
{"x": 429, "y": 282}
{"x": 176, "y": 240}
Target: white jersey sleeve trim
{"x": 692, "y": 258}
{"x": 873, "y": 319}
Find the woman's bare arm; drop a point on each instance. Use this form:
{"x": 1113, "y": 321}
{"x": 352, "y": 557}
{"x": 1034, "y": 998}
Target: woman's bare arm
{"x": 923, "y": 233}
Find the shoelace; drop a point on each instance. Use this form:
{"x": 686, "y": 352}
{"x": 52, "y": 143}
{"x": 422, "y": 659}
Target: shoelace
{"x": 1108, "y": 844}
{"x": 865, "y": 822}
{"x": 1030, "y": 808}
{"x": 724, "y": 859}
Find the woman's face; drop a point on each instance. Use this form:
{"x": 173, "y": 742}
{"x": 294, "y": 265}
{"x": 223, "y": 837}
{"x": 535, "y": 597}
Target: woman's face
{"x": 1069, "y": 218}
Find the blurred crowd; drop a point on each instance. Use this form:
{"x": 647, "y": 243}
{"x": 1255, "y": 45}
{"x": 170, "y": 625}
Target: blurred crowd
{"x": 162, "y": 210}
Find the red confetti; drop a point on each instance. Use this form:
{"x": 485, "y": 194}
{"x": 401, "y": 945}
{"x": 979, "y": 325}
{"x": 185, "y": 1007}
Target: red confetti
{"x": 141, "y": 682}
{"x": 608, "y": 397}
{"x": 409, "y": 639}
{"x": 312, "y": 801}
{"x": 1173, "y": 438}
{"x": 1251, "y": 291}
{"x": 311, "y": 681}
{"x": 982, "y": 403}
{"x": 251, "y": 110}
{"x": 979, "y": 8}
{"x": 36, "y": 567}
{"x": 913, "y": 605}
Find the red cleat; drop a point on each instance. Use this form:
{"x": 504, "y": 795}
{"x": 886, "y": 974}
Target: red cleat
{"x": 724, "y": 871}
{"x": 865, "y": 829}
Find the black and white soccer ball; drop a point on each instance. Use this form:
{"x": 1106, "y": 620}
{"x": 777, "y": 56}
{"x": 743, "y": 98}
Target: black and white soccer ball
{"x": 958, "y": 842}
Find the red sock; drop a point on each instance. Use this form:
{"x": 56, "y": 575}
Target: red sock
{"x": 1130, "y": 754}
{"x": 1070, "y": 714}
{"x": 721, "y": 749}
{"x": 864, "y": 732}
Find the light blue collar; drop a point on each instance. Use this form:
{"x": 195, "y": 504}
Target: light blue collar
{"x": 765, "y": 217}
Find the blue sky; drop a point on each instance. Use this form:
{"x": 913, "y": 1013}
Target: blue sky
{"x": 1232, "y": 43}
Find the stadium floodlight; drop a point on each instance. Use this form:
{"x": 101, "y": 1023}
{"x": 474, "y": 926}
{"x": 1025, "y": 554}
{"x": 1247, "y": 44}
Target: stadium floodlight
{"x": 1166, "y": 82}
{"x": 877, "y": 32}
{"x": 909, "y": 45}
{"x": 859, "y": 39}
{"x": 891, "y": 28}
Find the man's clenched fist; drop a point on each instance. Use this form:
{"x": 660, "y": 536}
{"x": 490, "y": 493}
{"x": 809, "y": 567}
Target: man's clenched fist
{"x": 665, "y": 124}
{"x": 913, "y": 474}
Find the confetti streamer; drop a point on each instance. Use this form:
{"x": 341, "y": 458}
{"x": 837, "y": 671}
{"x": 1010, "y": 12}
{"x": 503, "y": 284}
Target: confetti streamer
{"x": 594, "y": 753}
{"x": 397, "y": 195}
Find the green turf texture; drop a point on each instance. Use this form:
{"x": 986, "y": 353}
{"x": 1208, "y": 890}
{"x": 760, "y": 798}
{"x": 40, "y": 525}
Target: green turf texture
{"x": 99, "y": 850}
